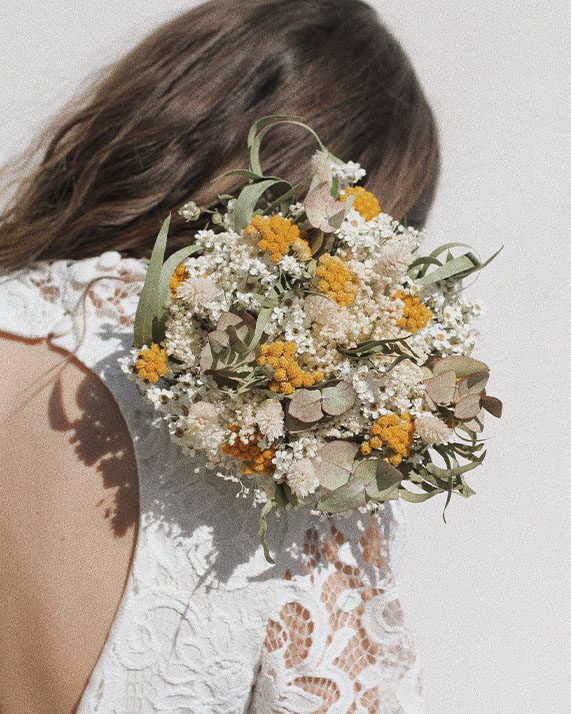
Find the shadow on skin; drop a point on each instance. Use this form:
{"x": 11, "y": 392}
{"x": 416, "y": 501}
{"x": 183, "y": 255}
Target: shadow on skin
{"x": 97, "y": 443}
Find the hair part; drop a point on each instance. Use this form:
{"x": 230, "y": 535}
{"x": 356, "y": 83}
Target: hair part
{"x": 174, "y": 114}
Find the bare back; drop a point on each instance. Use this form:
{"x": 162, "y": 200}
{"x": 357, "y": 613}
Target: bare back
{"x": 68, "y": 487}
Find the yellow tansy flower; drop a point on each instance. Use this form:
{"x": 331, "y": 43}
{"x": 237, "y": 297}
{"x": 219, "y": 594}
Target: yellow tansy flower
{"x": 336, "y": 279}
{"x": 152, "y": 363}
{"x": 276, "y": 235}
{"x": 365, "y": 203}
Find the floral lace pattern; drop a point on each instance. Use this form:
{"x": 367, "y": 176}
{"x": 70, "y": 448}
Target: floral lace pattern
{"x": 206, "y": 625}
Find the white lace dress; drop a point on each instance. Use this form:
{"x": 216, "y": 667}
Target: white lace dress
{"x": 206, "y": 625}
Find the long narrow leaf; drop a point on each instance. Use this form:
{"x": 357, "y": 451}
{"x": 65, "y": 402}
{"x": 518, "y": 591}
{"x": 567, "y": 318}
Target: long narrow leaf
{"x": 249, "y": 197}
{"x": 255, "y": 165}
{"x": 149, "y": 307}
{"x": 459, "y": 266}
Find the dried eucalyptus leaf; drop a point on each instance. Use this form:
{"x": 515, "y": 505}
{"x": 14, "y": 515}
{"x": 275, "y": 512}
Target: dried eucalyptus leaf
{"x": 219, "y": 342}
{"x": 474, "y": 383}
{"x": 295, "y": 426}
{"x": 305, "y": 405}
{"x": 462, "y": 366}
{"x": 440, "y": 388}
{"x": 334, "y": 463}
{"x": 321, "y": 208}
{"x": 386, "y": 480}
{"x": 338, "y": 399}
{"x": 492, "y": 405}
{"x": 468, "y": 407}
{"x": 345, "y": 498}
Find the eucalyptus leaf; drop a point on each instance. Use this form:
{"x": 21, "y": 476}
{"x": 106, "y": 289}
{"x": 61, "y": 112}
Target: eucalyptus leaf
{"x": 467, "y": 407}
{"x": 338, "y": 399}
{"x": 386, "y": 479}
{"x": 474, "y": 383}
{"x": 492, "y": 405}
{"x": 440, "y": 388}
{"x": 305, "y": 405}
{"x": 462, "y": 366}
{"x": 333, "y": 463}
{"x": 345, "y": 498}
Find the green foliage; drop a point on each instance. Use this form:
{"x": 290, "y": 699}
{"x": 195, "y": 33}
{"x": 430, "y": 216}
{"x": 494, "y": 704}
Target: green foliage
{"x": 155, "y": 296}
{"x": 456, "y": 268}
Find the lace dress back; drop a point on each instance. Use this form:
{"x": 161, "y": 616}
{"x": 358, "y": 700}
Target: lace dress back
{"x": 206, "y": 625}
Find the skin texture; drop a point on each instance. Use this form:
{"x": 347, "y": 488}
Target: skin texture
{"x": 69, "y": 495}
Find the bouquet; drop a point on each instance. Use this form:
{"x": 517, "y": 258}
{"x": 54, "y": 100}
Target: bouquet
{"x": 309, "y": 350}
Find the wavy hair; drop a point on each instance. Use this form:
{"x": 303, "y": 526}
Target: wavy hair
{"x": 172, "y": 115}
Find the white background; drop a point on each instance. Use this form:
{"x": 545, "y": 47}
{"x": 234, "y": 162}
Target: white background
{"x": 487, "y": 595}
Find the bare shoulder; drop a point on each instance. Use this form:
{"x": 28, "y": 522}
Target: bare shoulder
{"x": 68, "y": 484}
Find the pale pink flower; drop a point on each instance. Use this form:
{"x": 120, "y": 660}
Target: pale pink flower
{"x": 270, "y": 419}
{"x": 432, "y": 430}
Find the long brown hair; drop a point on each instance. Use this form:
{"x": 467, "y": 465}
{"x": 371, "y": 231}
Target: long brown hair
{"x": 174, "y": 114}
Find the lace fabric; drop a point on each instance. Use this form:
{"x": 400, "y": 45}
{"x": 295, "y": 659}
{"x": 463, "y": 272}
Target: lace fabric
{"x": 206, "y": 624}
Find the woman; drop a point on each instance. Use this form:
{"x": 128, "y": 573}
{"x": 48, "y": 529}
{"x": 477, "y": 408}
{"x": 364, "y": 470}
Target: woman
{"x": 202, "y": 623}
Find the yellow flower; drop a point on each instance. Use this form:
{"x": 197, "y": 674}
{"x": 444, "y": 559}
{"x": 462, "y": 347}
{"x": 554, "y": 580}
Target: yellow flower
{"x": 415, "y": 315}
{"x": 288, "y": 375}
{"x": 365, "y": 203}
{"x": 276, "y": 235}
{"x": 177, "y": 278}
{"x": 254, "y": 460}
{"x": 152, "y": 363}
{"x": 393, "y": 433}
{"x": 337, "y": 281}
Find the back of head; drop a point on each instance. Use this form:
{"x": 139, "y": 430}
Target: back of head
{"x": 174, "y": 114}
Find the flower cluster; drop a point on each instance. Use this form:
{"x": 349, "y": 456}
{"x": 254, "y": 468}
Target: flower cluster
{"x": 311, "y": 352}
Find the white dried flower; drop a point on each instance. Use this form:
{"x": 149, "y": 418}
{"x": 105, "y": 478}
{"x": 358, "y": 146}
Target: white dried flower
{"x": 270, "y": 419}
{"x": 432, "y": 430}
{"x": 394, "y": 260}
{"x": 197, "y": 291}
{"x": 301, "y": 478}
{"x": 321, "y": 310}
{"x": 190, "y": 211}
{"x": 203, "y": 428}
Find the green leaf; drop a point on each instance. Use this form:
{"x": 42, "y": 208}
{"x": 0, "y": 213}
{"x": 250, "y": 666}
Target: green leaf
{"x": 461, "y": 266}
{"x": 415, "y": 496}
{"x": 345, "y": 498}
{"x": 262, "y": 127}
{"x": 338, "y": 399}
{"x": 263, "y": 529}
{"x": 305, "y": 405}
{"x": 446, "y": 246}
{"x": 334, "y": 463}
{"x": 462, "y": 366}
{"x": 419, "y": 266}
{"x": 170, "y": 265}
{"x": 249, "y": 197}
{"x": 445, "y": 474}
{"x": 386, "y": 479}
{"x": 149, "y": 309}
